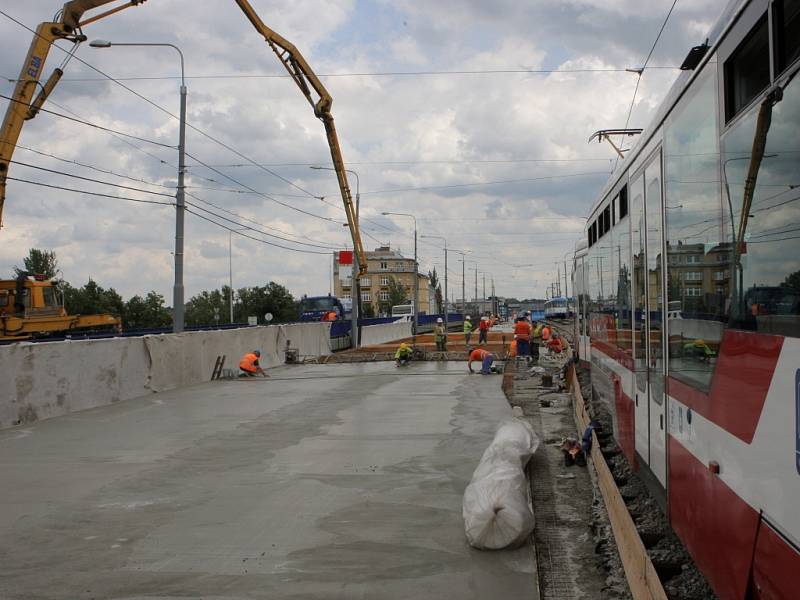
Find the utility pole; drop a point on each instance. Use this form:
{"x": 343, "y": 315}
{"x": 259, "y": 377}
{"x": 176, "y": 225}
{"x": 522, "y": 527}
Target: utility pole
{"x": 483, "y": 300}
{"x": 463, "y": 287}
{"x": 566, "y": 287}
{"x": 476, "y": 283}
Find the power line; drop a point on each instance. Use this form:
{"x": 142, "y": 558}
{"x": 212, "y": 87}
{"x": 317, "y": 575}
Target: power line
{"x": 159, "y": 107}
{"x": 88, "y": 123}
{"x": 506, "y": 181}
{"x": 218, "y": 216}
{"x": 376, "y": 74}
{"x": 124, "y": 187}
{"x": 255, "y": 239}
{"x": 230, "y": 212}
{"x": 644, "y": 66}
{"x": 59, "y": 187}
{"x": 426, "y": 162}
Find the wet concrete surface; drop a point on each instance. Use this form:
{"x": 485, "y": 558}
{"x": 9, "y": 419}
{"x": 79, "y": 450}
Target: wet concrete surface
{"x": 324, "y": 481}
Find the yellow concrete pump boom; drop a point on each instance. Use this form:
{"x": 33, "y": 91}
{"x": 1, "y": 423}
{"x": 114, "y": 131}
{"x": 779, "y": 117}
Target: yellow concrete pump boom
{"x": 306, "y": 80}
{"x": 67, "y": 26}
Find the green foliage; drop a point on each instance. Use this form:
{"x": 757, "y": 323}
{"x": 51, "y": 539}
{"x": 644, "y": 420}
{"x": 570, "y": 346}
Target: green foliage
{"x": 146, "y": 312}
{"x": 435, "y": 284}
{"x": 92, "y": 299}
{"x": 367, "y": 310}
{"x": 39, "y": 262}
{"x": 200, "y": 308}
{"x": 397, "y": 293}
{"x": 792, "y": 281}
{"x": 259, "y": 300}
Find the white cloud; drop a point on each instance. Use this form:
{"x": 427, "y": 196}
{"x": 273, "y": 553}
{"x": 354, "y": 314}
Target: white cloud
{"x": 418, "y": 123}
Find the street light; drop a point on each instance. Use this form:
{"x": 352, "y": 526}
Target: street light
{"x": 230, "y": 267}
{"x": 180, "y": 205}
{"x": 355, "y": 289}
{"x": 438, "y": 237}
{"x": 416, "y": 273}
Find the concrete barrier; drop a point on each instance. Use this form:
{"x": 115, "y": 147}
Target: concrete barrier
{"x": 38, "y": 381}
{"x": 388, "y": 332}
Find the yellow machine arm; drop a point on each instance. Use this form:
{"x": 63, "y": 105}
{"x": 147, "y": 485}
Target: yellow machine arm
{"x": 307, "y": 81}
{"x": 21, "y": 108}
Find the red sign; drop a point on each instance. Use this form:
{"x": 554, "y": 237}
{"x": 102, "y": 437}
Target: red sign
{"x": 346, "y": 257}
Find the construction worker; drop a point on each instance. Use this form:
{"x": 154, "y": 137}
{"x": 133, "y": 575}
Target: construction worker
{"x": 546, "y": 333}
{"x": 330, "y": 316}
{"x": 555, "y": 344}
{"x": 403, "y": 355}
{"x": 537, "y": 332}
{"x": 485, "y": 357}
{"x": 467, "y": 330}
{"x": 441, "y": 335}
{"x": 522, "y": 333}
{"x": 483, "y": 330}
{"x": 249, "y": 366}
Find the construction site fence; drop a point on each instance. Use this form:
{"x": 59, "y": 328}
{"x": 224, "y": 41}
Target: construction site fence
{"x": 39, "y": 381}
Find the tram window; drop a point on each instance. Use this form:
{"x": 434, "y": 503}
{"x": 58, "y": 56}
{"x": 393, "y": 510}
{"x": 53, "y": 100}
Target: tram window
{"x": 763, "y": 245}
{"x": 787, "y": 18}
{"x": 747, "y": 70}
{"x": 607, "y": 218}
{"x": 614, "y": 211}
{"x": 623, "y": 202}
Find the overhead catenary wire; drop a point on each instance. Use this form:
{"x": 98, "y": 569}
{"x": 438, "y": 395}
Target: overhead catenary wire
{"x": 378, "y": 74}
{"x": 90, "y": 124}
{"x": 99, "y": 194}
{"x": 161, "y": 108}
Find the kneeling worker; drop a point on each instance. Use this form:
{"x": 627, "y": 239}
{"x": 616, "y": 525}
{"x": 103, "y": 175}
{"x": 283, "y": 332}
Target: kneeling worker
{"x": 555, "y": 344}
{"x": 485, "y": 357}
{"x": 249, "y": 366}
{"x": 403, "y": 354}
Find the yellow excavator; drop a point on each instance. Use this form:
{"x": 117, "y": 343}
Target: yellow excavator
{"x": 30, "y": 307}
{"x": 68, "y": 26}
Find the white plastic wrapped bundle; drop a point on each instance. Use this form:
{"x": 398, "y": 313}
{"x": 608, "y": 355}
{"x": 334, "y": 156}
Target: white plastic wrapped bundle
{"x": 496, "y": 508}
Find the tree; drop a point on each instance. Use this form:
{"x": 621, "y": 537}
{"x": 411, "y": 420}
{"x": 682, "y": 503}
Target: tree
{"x": 92, "y": 299}
{"x": 792, "y": 281}
{"x": 39, "y": 261}
{"x": 436, "y": 285}
{"x": 367, "y": 310}
{"x": 272, "y": 298}
{"x": 397, "y": 293}
{"x": 147, "y": 312}
{"x": 200, "y": 308}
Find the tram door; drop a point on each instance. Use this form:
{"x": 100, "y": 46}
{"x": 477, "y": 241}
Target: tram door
{"x": 655, "y": 318}
{"x": 639, "y": 337}
{"x": 648, "y": 319}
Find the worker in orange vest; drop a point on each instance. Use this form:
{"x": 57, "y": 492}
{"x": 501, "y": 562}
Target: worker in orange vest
{"x": 484, "y": 356}
{"x": 555, "y": 344}
{"x": 329, "y": 316}
{"x": 522, "y": 333}
{"x": 249, "y": 366}
{"x": 483, "y": 330}
{"x": 546, "y": 333}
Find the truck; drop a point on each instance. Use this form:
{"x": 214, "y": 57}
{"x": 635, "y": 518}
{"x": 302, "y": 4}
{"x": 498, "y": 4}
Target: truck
{"x": 30, "y": 306}
{"x": 314, "y": 308}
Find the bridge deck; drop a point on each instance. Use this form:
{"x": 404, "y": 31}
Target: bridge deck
{"x": 325, "y": 481}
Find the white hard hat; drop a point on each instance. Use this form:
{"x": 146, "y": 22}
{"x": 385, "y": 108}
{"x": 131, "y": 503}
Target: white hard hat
{"x": 468, "y": 318}
{"x": 439, "y": 320}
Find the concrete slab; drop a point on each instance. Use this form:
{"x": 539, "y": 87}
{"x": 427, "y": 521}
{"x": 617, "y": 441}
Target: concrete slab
{"x": 325, "y": 481}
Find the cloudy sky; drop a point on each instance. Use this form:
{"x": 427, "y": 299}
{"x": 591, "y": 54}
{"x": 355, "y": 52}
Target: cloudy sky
{"x": 437, "y": 109}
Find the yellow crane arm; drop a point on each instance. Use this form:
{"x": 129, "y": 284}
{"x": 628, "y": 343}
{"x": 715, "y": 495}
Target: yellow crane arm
{"x": 21, "y": 107}
{"x": 306, "y": 80}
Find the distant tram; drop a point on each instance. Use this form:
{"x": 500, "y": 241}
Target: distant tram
{"x": 688, "y": 296}
{"x": 559, "y": 308}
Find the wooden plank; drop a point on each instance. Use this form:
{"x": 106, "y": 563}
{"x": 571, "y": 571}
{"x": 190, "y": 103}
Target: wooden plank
{"x": 639, "y": 570}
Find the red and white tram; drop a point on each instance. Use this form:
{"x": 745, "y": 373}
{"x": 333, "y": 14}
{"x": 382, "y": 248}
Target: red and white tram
{"x": 688, "y": 286}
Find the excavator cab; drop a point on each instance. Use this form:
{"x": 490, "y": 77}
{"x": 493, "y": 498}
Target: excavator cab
{"x": 31, "y": 306}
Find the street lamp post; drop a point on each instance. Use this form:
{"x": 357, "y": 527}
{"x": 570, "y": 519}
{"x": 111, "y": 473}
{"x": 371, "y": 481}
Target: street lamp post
{"x": 416, "y": 274}
{"x": 230, "y": 267}
{"x": 180, "y": 204}
{"x": 355, "y": 289}
{"x": 438, "y": 237}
